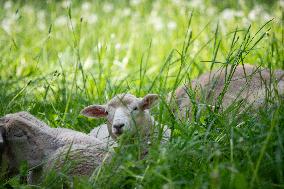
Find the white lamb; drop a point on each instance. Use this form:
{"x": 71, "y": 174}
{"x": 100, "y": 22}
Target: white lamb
{"x": 124, "y": 113}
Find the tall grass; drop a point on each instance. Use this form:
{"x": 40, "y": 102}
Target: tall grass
{"x": 54, "y": 70}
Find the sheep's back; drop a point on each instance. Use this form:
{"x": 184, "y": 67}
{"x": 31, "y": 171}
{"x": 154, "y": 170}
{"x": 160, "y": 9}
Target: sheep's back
{"x": 78, "y": 159}
{"x": 248, "y": 83}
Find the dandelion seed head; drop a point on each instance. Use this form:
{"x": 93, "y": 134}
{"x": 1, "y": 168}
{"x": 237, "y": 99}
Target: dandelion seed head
{"x": 92, "y": 19}
{"x": 112, "y": 35}
{"x": 229, "y": 14}
{"x": 108, "y": 7}
{"x": 66, "y": 3}
{"x": 117, "y": 46}
{"x": 86, "y": 6}
{"x": 8, "y": 5}
{"x": 61, "y": 21}
{"x": 172, "y": 25}
{"x": 89, "y": 62}
{"x": 281, "y": 3}
{"x": 135, "y": 2}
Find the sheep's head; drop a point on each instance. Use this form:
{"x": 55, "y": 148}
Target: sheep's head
{"x": 18, "y": 143}
{"x": 124, "y": 113}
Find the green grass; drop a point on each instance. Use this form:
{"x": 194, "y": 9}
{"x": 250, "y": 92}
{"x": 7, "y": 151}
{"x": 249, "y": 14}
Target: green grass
{"x": 56, "y": 59}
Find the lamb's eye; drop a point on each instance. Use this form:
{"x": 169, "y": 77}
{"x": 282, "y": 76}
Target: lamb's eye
{"x": 135, "y": 108}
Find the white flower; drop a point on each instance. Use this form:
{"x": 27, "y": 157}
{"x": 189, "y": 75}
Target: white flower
{"x": 92, "y": 19}
{"x": 86, "y": 6}
{"x": 258, "y": 13}
{"x": 8, "y": 5}
{"x": 61, "y": 21}
{"x": 253, "y": 14}
{"x": 121, "y": 64}
{"x": 126, "y": 12}
{"x": 135, "y": 2}
{"x": 195, "y": 49}
{"x": 41, "y": 15}
{"x": 266, "y": 16}
{"x": 246, "y": 22}
{"x": 22, "y": 65}
{"x": 116, "y": 62}
{"x": 197, "y": 4}
{"x": 41, "y": 26}
{"x": 41, "y": 89}
{"x": 281, "y": 3}
{"x": 157, "y": 23}
{"x": 89, "y": 62}
{"x": 211, "y": 11}
{"x": 7, "y": 23}
{"x": 112, "y": 35}
{"x": 28, "y": 9}
{"x": 172, "y": 25}
{"x": 125, "y": 61}
{"x": 99, "y": 46}
{"x": 108, "y": 7}
{"x": 41, "y": 20}
{"x": 229, "y": 14}
{"x": 117, "y": 46}
{"x": 66, "y": 3}
{"x": 177, "y": 2}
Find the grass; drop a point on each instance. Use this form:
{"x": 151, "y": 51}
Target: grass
{"x": 58, "y": 57}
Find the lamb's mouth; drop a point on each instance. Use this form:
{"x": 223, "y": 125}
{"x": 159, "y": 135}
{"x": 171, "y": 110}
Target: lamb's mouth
{"x": 117, "y": 132}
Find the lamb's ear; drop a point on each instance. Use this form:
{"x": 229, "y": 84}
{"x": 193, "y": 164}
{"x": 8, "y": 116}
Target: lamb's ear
{"x": 148, "y": 101}
{"x": 95, "y": 111}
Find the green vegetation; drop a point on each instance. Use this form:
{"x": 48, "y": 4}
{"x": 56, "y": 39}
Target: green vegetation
{"x": 59, "y": 56}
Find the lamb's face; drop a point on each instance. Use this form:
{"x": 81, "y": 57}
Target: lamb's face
{"x": 124, "y": 113}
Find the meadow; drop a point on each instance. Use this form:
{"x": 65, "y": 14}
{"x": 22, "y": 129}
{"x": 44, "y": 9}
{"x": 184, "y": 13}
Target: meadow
{"x": 56, "y": 57}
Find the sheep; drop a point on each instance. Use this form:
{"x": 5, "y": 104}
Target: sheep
{"x": 24, "y": 138}
{"x": 124, "y": 113}
{"x": 248, "y": 84}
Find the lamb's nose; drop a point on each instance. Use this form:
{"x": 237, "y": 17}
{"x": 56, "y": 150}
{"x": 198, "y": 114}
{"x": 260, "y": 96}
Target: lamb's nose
{"x": 118, "y": 126}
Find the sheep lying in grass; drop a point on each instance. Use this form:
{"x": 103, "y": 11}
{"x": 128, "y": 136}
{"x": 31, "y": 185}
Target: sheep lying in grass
{"x": 248, "y": 84}
{"x": 124, "y": 113}
{"x": 24, "y": 138}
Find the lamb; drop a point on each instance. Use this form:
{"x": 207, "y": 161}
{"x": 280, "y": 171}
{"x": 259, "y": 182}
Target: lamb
{"x": 25, "y": 138}
{"x": 248, "y": 84}
{"x": 124, "y": 113}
